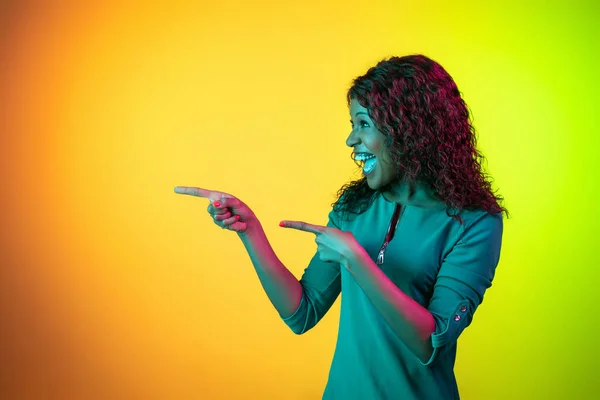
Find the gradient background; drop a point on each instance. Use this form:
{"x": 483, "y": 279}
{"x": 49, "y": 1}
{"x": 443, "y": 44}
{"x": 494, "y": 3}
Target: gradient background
{"x": 113, "y": 287}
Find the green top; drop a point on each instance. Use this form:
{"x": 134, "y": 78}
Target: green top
{"x": 442, "y": 264}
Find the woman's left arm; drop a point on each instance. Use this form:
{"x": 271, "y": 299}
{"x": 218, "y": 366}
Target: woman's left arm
{"x": 465, "y": 274}
{"x": 413, "y": 323}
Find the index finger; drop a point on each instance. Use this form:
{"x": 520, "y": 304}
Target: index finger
{"x": 198, "y": 192}
{"x": 303, "y": 226}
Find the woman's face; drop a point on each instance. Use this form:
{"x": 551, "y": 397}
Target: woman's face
{"x": 369, "y": 148}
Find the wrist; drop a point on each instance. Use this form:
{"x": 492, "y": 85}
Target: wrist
{"x": 355, "y": 259}
{"x": 356, "y": 254}
{"x": 253, "y": 230}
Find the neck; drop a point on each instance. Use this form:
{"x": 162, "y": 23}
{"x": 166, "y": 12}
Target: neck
{"x": 412, "y": 194}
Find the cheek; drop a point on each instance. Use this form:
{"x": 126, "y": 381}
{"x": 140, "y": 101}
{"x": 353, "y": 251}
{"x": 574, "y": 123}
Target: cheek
{"x": 388, "y": 163}
{"x": 378, "y": 146}
{"x": 386, "y": 157}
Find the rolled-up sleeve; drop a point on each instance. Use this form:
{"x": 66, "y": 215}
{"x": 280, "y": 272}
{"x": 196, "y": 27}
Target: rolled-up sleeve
{"x": 464, "y": 276}
{"x": 321, "y": 284}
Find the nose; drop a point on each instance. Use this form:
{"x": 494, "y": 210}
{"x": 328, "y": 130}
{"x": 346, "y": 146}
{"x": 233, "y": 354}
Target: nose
{"x": 352, "y": 139}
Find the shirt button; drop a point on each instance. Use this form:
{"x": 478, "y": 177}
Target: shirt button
{"x": 456, "y": 317}
{"x": 463, "y": 308}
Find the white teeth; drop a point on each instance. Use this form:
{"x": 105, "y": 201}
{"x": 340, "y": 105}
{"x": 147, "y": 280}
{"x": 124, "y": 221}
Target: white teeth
{"x": 369, "y": 160}
{"x": 363, "y": 157}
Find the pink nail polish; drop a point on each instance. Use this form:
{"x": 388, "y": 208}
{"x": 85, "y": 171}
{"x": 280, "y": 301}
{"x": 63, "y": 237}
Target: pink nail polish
{"x": 281, "y": 223}
{"x": 217, "y": 204}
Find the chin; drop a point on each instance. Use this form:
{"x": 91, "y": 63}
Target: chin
{"x": 378, "y": 182}
{"x": 373, "y": 183}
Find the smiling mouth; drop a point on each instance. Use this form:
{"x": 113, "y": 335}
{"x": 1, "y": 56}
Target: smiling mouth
{"x": 368, "y": 161}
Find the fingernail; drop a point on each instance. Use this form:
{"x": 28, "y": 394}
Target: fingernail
{"x": 217, "y": 204}
{"x": 281, "y": 223}
{"x": 237, "y": 217}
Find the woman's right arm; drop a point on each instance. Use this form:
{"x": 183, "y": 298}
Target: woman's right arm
{"x": 280, "y": 285}
{"x": 301, "y": 304}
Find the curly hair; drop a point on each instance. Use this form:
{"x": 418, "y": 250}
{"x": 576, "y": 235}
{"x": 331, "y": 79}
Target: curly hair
{"x": 415, "y": 103}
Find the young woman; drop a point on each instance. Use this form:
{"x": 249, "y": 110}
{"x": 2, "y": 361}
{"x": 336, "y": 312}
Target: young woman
{"x": 412, "y": 245}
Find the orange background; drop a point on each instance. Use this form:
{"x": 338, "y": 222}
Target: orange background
{"x": 113, "y": 287}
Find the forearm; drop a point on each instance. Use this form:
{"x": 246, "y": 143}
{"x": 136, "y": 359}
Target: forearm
{"x": 412, "y": 323}
{"x": 281, "y": 286}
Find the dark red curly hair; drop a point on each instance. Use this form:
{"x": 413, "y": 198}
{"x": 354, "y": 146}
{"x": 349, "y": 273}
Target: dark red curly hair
{"x": 416, "y": 104}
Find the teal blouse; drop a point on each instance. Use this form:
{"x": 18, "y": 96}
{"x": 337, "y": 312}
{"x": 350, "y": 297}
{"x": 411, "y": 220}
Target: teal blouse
{"x": 442, "y": 264}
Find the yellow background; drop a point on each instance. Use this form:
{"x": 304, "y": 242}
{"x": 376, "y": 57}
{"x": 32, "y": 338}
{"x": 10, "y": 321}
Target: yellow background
{"x": 114, "y": 287}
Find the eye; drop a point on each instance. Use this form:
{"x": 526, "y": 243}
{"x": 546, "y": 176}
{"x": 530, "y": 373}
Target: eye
{"x": 363, "y": 124}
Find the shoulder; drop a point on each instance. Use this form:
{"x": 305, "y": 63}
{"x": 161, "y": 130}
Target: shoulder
{"x": 480, "y": 218}
{"x": 481, "y": 228}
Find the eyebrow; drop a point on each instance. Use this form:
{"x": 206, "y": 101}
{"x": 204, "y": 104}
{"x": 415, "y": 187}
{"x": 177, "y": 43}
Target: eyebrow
{"x": 361, "y": 112}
